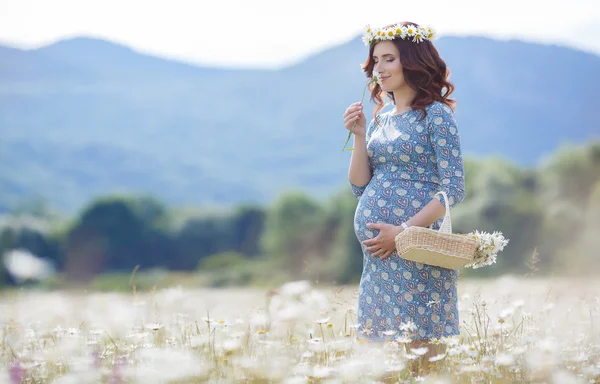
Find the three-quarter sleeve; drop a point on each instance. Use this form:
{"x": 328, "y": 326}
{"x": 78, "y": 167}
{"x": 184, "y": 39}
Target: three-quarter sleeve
{"x": 445, "y": 140}
{"x": 357, "y": 191}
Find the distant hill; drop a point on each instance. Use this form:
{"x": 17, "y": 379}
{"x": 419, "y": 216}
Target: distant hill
{"x": 85, "y": 117}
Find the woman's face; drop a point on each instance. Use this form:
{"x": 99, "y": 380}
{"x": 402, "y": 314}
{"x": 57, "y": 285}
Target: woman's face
{"x": 387, "y": 62}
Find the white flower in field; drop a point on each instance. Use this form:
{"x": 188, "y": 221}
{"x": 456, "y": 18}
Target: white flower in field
{"x": 199, "y": 341}
{"x": 408, "y": 326}
{"x": 295, "y": 288}
{"x": 259, "y": 319}
{"x": 323, "y": 320}
{"x": 286, "y": 310}
{"x": 450, "y": 341}
{"x": 343, "y": 345}
{"x": 231, "y": 345}
{"x": 518, "y": 351}
{"x": 504, "y": 359}
{"x": 22, "y": 265}
{"x": 505, "y": 313}
{"x": 395, "y": 366}
{"x": 140, "y": 335}
{"x": 237, "y": 335}
{"x": 321, "y": 372}
{"x": 165, "y": 365}
{"x": 518, "y": 303}
{"x": 420, "y": 351}
{"x": 351, "y": 369}
{"x": 402, "y": 339}
{"x": 317, "y": 301}
{"x": 437, "y": 357}
{"x": 548, "y": 345}
{"x": 390, "y": 332}
{"x": 470, "y": 350}
{"x": 316, "y": 345}
{"x": 221, "y": 324}
{"x": 155, "y": 326}
{"x": 562, "y": 376}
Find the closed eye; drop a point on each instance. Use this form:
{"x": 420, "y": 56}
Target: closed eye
{"x": 387, "y": 61}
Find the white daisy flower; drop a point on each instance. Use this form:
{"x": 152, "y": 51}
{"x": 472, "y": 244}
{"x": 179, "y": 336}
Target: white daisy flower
{"x": 430, "y": 34}
{"x": 400, "y": 31}
{"x": 155, "y": 326}
{"x": 419, "y": 351}
{"x": 437, "y": 357}
{"x": 418, "y": 38}
{"x": 376, "y": 78}
{"x": 408, "y": 326}
{"x": 389, "y": 33}
{"x": 411, "y": 30}
{"x": 323, "y": 320}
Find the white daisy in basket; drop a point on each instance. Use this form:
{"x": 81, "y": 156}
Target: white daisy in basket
{"x": 488, "y": 247}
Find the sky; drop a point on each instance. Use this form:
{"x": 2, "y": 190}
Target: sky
{"x": 276, "y": 33}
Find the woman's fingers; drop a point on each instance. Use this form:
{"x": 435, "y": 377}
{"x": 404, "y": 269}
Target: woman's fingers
{"x": 351, "y": 117}
{"x": 353, "y": 109}
{"x": 387, "y": 254}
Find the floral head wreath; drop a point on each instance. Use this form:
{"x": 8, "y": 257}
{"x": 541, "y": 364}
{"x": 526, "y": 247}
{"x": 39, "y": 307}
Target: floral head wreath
{"x": 398, "y": 31}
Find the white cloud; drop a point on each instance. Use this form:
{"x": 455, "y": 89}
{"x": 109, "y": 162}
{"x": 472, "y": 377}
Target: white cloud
{"x": 271, "y": 32}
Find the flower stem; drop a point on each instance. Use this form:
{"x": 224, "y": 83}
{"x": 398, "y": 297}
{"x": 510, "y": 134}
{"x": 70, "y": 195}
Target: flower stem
{"x": 354, "y": 125}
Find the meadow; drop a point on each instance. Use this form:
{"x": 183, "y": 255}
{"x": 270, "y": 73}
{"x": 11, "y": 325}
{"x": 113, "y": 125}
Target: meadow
{"x": 513, "y": 330}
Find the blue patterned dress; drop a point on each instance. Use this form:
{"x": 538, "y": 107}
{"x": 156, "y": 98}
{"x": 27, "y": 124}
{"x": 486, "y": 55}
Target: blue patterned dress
{"x": 410, "y": 161}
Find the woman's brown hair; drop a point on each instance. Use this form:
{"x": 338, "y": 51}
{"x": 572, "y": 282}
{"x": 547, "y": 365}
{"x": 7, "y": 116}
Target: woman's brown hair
{"x": 424, "y": 71}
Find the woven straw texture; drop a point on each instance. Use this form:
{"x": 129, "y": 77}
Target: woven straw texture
{"x": 440, "y": 248}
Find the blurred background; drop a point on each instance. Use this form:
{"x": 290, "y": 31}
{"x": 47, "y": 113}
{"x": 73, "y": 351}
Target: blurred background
{"x": 200, "y": 143}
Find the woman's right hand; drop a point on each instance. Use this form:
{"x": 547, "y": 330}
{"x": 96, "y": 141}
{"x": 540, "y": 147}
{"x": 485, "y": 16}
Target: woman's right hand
{"x": 355, "y": 120}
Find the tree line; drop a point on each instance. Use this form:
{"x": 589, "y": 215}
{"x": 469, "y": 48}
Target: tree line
{"x": 550, "y": 214}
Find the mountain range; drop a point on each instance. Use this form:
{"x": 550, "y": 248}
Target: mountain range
{"x": 85, "y": 117}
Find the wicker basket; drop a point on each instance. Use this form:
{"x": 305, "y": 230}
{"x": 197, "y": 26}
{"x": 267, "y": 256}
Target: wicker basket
{"x": 441, "y": 248}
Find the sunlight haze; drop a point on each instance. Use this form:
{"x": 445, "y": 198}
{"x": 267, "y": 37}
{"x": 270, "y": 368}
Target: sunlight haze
{"x": 267, "y": 33}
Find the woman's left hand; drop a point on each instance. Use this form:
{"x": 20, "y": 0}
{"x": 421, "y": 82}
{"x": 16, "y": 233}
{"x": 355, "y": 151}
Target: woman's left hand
{"x": 384, "y": 244}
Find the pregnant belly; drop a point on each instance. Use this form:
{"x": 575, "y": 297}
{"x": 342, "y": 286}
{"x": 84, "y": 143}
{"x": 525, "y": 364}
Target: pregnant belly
{"x": 384, "y": 203}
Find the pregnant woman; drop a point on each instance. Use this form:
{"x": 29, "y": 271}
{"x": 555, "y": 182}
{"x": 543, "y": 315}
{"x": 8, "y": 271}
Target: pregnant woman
{"x": 400, "y": 160}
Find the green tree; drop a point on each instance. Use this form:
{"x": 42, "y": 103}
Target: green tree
{"x": 292, "y": 230}
{"x": 201, "y": 237}
{"x": 567, "y": 187}
{"x": 248, "y": 224}
{"x": 345, "y": 261}
{"x": 118, "y": 233}
{"x": 500, "y": 198}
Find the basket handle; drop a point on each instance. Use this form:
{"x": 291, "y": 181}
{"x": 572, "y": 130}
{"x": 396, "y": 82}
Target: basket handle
{"x": 446, "y": 226}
